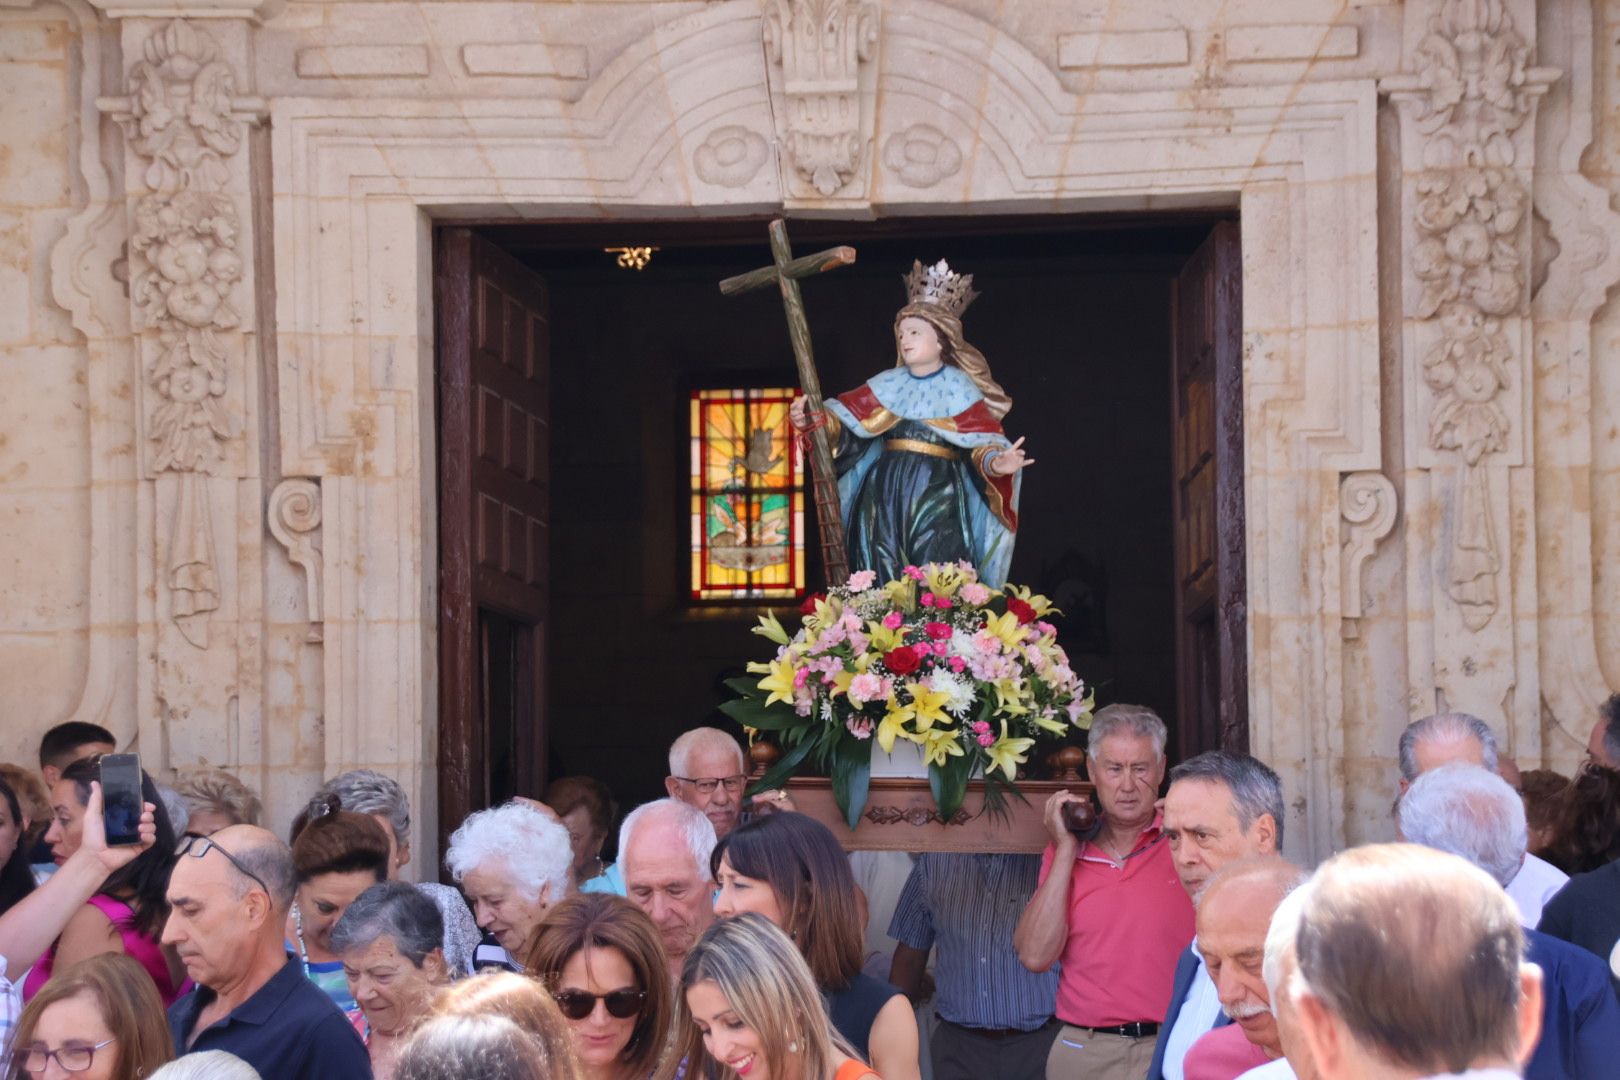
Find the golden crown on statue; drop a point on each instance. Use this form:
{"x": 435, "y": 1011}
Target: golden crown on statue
{"x": 940, "y": 285}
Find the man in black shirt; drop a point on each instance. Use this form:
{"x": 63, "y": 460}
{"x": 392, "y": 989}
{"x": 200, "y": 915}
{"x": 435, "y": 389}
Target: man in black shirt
{"x": 229, "y": 895}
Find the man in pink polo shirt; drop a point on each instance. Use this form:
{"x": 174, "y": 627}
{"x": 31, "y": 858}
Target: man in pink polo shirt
{"x": 1110, "y": 908}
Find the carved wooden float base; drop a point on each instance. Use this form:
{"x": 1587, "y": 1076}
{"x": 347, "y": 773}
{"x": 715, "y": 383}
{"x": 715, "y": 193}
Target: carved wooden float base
{"x": 900, "y": 816}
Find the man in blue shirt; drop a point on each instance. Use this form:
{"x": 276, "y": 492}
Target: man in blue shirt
{"x": 995, "y": 1015}
{"x": 229, "y": 895}
{"x": 1468, "y": 811}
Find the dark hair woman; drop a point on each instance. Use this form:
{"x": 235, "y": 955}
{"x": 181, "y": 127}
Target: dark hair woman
{"x": 127, "y": 915}
{"x": 790, "y": 869}
{"x": 16, "y": 879}
{"x": 100, "y": 1020}
{"x": 603, "y": 960}
{"x": 1589, "y": 832}
{"x": 337, "y": 855}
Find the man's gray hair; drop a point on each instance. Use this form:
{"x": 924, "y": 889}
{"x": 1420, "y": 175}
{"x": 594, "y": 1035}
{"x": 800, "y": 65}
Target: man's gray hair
{"x": 1443, "y": 728}
{"x": 694, "y": 826}
{"x": 535, "y": 849}
{"x": 1137, "y": 720}
{"x": 393, "y": 910}
{"x": 207, "y": 1065}
{"x": 367, "y": 791}
{"x": 1467, "y": 811}
{"x": 1280, "y": 940}
{"x": 703, "y": 738}
{"x": 1254, "y": 786}
{"x": 271, "y": 862}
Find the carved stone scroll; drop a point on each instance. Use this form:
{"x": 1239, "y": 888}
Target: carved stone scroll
{"x": 1472, "y": 93}
{"x": 820, "y": 46}
{"x": 1367, "y": 504}
{"x": 294, "y": 514}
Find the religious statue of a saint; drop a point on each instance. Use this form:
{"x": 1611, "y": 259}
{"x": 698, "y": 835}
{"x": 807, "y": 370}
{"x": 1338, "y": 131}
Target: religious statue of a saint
{"x": 925, "y": 472}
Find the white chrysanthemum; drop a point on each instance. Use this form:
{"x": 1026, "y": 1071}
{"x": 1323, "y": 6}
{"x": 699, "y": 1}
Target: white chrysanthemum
{"x": 962, "y": 645}
{"x": 959, "y": 689}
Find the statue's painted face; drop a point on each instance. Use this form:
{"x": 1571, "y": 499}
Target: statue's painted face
{"x": 919, "y": 345}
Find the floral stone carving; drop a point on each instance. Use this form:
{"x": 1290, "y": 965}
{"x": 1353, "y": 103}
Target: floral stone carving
{"x": 922, "y": 155}
{"x": 730, "y": 157}
{"x": 1473, "y": 91}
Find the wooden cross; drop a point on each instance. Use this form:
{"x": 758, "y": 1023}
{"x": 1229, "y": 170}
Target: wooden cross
{"x": 786, "y": 273}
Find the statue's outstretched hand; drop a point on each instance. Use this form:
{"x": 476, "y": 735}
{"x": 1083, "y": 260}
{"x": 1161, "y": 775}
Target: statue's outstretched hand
{"x": 799, "y": 413}
{"x": 1010, "y": 460}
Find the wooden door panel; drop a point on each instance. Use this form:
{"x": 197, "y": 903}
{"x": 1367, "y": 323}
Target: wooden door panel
{"x": 1207, "y": 431}
{"x": 491, "y": 321}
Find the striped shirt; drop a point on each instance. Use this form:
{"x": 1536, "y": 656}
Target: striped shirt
{"x": 968, "y": 906}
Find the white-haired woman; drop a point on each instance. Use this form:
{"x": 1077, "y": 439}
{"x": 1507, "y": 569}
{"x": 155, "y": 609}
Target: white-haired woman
{"x": 367, "y": 791}
{"x": 207, "y": 1065}
{"x": 513, "y": 862}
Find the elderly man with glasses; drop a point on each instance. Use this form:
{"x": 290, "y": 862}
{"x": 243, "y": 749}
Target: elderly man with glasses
{"x": 228, "y": 897}
{"x": 707, "y": 771}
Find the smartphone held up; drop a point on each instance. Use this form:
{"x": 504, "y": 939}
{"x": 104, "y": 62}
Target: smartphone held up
{"x": 121, "y": 798}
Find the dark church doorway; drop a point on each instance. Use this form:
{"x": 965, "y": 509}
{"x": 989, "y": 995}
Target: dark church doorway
{"x": 1116, "y": 338}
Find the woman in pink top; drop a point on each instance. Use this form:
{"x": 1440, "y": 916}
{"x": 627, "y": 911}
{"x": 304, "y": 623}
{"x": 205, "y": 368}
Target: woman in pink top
{"x": 127, "y": 915}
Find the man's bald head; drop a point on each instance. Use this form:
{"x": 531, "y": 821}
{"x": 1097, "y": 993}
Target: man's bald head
{"x": 1265, "y": 875}
{"x": 261, "y": 854}
{"x": 1234, "y": 916}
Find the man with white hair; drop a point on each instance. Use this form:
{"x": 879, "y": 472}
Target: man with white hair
{"x": 664, "y": 850}
{"x": 707, "y": 770}
{"x": 513, "y": 862}
{"x": 1411, "y": 965}
{"x": 1456, "y": 736}
{"x": 1234, "y": 915}
{"x": 1278, "y": 968}
{"x": 1464, "y": 810}
{"x": 1110, "y": 908}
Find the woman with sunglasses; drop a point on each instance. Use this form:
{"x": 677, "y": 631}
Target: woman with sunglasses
{"x": 790, "y": 869}
{"x": 604, "y": 962}
{"x": 752, "y": 1010}
{"x": 98, "y": 1020}
{"x": 127, "y": 914}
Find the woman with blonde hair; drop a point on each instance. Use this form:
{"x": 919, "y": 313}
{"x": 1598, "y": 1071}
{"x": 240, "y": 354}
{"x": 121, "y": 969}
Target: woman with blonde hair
{"x": 755, "y": 1012}
{"x": 603, "y": 960}
{"x": 100, "y": 1019}
{"x": 521, "y": 1000}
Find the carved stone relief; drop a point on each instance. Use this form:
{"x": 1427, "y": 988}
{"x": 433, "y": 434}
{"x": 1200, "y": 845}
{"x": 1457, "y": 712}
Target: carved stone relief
{"x": 294, "y": 516}
{"x": 183, "y": 117}
{"x": 820, "y": 46}
{"x": 1367, "y": 503}
{"x": 731, "y": 156}
{"x": 1473, "y": 90}
{"x": 922, "y": 155}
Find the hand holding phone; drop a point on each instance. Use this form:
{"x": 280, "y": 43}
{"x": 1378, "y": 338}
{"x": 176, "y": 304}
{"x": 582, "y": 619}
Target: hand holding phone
{"x": 121, "y": 798}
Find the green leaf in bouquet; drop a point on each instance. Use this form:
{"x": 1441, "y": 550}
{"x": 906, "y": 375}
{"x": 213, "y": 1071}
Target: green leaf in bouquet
{"x": 948, "y": 783}
{"x": 851, "y": 776}
{"x": 747, "y": 688}
{"x": 784, "y": 769}
{"x": 755, "y": 713}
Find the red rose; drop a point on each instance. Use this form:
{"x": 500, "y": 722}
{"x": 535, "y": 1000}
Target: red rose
{"x": 938, "y": 631}
{"x": 902, "y": 661}
{"x": 1025, "y": 613}
{"x": 809, "y": 605}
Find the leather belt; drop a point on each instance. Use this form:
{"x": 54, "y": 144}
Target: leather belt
{"x": 1135, "y": 1030}
{"x": 917, "y": 446}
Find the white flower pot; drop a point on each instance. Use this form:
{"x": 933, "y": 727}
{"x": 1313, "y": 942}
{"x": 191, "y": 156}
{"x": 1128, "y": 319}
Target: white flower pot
{"x": 906, "y": 760}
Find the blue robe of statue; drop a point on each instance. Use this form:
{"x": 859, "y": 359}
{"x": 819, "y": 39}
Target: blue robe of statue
{"x": 911, "y": 456}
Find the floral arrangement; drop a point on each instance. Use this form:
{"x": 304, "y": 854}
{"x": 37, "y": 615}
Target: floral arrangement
{"x": 972, "y": 675}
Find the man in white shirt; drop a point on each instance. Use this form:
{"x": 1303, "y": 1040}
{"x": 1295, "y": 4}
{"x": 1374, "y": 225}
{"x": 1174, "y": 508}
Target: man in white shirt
{"x": 1221, "y": 807}
{"x": 1446, "y": 737}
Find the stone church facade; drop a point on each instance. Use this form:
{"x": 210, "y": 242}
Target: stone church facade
{"x": 217, "y": 478}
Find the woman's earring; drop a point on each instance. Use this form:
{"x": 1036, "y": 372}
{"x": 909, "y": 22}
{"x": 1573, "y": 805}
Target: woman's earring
{"x": 793, "y": 1047}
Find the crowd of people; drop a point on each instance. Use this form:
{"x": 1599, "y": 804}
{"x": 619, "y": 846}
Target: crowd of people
{"x": 732, "y": 937}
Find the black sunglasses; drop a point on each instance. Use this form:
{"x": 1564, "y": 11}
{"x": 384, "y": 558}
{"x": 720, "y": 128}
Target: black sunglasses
{"x": 578, "y": 1004}
{"x": 198, "y": 846}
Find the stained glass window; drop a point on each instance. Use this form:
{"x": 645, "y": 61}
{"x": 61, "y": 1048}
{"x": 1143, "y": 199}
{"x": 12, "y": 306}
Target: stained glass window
{"x": 747, "y": 496}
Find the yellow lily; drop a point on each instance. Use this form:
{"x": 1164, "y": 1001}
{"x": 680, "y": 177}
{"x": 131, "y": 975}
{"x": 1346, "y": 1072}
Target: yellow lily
{"x": 902, "y": 594}
{"x": 1006, "y": 627}
{"x": 828, "y": 609}
{"x": 1007, "y": 753}
{"x": 928, "y": 705}
{"x": 893, "y": 725}
{"x": 1052, "y": 724}
{"x": 778, "y": 680}
{"x": 1083, "y": 721}
{"x": 1041, "y": 604}
{"x": 883, "y": 639}
{"x": 941, "y": 743}
{"x": 1010, "y": 697}
{"x": 771, "y": 630}
{"x": 841, "y": 681}
{"x": 944, "y": 579}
